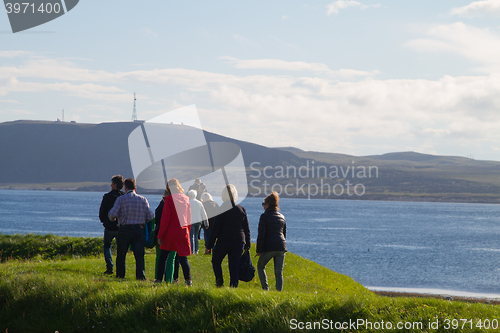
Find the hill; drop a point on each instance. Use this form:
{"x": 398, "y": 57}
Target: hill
{"x": 419, "y": 177}
{"x": 69, "y": 294}
{"x": 56, "y": 155}
{"x": 37, "y": 152}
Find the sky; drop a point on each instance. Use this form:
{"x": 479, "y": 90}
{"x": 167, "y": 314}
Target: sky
{"x": 353, "y": 77}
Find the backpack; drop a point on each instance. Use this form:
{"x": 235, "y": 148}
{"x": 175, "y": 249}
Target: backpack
{"x": 149, "y": 234}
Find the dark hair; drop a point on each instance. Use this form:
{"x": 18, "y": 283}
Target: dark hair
{"x": 130, "y": 183}
{"x": 272, "y": 200}
{"x": 118, "y": 181}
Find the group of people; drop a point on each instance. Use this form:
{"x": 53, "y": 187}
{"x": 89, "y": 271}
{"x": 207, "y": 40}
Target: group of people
{"x": 179, "y": 218}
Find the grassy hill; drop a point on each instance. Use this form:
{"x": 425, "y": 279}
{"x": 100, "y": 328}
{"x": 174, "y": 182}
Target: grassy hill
{"x": 69, "y": 294}
{"x": 415, "y": 176}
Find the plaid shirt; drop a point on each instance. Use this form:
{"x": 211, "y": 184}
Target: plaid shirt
{"x": 131, "y": 208}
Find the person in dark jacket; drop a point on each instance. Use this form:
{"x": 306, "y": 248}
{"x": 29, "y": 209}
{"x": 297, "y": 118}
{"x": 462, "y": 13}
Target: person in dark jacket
{"x": 110, "y": 227}
{"x": 211, "y": 207}
{"x": 271, "y": 242}
{"x": 158, "y": 212}
{"x": 232, "y": 233}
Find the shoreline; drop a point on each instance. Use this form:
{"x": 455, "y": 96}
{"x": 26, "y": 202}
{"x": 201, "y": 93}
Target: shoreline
{"x": 80, "y": 187}
{"x": 450, "y": 295}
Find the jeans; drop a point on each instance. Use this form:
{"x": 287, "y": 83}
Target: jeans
{"x": 166, "y": 266}
{"x": 108, "y": 238}
{"x": 186, "y": 269}
{"x": 206, "y": 235}
{"x": 279, "y": 260}
{"x": 130, "y": 235}
{"x": 233, "y": 252}
{"x": 193, "y": 235}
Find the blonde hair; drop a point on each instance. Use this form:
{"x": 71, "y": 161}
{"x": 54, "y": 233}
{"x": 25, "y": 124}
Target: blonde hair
{"x": 206, "y": 197}
{"x": 173, "y": 186}
{"x": 229, "y": 189}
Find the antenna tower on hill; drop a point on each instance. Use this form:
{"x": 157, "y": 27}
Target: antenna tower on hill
{"x": 134, "y": 113}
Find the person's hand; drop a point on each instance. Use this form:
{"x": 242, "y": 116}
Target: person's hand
{"x": 258, "y": 254}
{"x": 159, "y": 241}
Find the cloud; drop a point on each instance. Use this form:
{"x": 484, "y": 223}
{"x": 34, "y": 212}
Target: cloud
{"x": 334, "y": 7}
{"x": 310, "y": 112}
{"x": 276, "y": 64}
{"x": 10, "y": 101}
{"x": 149, "y": 33}
{"x": 480, "y": 45}
{"x": 20, "y": 112}
{"x": 13, "y": 54}
{"x": 294, "y": 66}
{"x": 478, "y": 8}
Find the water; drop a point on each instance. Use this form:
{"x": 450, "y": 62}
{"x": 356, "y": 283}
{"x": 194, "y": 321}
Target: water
{"x": 384, "y": 245}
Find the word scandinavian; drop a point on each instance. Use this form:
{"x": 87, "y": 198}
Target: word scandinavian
{"x": 310, "y": 171}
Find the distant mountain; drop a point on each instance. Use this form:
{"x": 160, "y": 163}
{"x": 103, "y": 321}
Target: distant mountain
{"x": 47, "y": 152}
{"x": 422, "y": 177}
{"x": 87, "y": 155}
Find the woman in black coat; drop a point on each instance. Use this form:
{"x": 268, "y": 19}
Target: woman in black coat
{"x": 232, "y": 233}
{"x": 271, "y": 242}
{"x": 212, "y": 209}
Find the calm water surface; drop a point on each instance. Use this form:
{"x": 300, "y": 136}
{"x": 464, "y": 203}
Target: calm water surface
{"x": 385, "y": 244}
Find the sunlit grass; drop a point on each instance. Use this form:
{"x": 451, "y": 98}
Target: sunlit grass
{"x": 72, "y": 295}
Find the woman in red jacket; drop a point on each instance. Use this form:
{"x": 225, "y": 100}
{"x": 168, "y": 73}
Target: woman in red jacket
{"x": 173, "y": 236}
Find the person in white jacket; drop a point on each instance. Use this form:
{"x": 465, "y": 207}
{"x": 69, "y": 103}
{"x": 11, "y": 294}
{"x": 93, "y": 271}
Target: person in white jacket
{"x": 198, "y": 215}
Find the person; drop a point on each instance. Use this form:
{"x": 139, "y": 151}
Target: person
{"x": 271, "y": 243}
{"x": 196, "y": 185}
{"x": 211, "y": 208}
{"x": 231, "y": 235}
{"x": 201, "y": 189}
{"x": 132, "y": 211}
{"x": 110, "y": 227}
{"x": 173, "y": 236}
{"x": 198, "y": 215}
{"x": 158, "y": 212}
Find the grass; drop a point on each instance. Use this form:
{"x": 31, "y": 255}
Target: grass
{"x": 69, "y": 294}
{"x": 47, "y": 246}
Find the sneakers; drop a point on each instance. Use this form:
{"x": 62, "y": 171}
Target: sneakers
{"x": 207, "y": 251}
{"x": 108, "y": 272}
{"x": 189, "y": 283}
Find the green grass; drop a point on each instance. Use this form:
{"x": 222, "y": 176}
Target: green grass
{"x": 69, "y": 294}
{"x": 47, "y": 246}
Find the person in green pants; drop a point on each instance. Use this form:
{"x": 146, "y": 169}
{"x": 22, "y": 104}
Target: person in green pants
{"x": 173, "y": 235}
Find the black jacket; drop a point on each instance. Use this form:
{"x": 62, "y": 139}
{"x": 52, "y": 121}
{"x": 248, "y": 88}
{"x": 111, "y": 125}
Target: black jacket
{"x": 158, "y": 212}
{"x": 230, "y": 226}
{"x": 272, "y": 232}
{"x": 108, "y": 200}
{"x": 211, "y": 208}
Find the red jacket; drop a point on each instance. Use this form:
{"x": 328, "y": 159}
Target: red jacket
{"x": 175, "y": 224}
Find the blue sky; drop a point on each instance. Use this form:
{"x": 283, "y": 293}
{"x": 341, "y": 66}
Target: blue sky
{"x": 355, "y": 77}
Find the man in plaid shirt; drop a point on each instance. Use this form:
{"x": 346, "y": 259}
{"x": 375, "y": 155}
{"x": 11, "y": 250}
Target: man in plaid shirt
{"x": 132, "y": 211}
